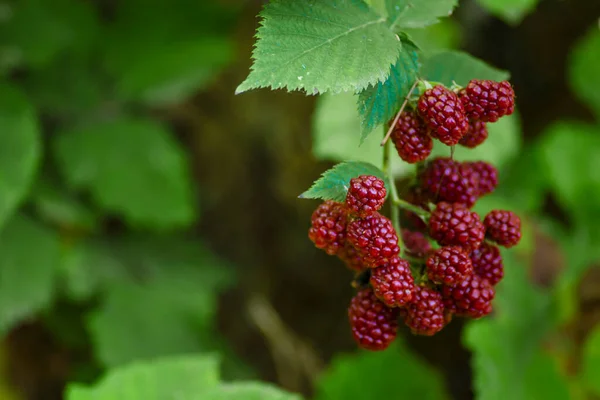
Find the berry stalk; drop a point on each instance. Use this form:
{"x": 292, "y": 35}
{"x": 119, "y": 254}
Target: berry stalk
{"x": 387, "y": 170}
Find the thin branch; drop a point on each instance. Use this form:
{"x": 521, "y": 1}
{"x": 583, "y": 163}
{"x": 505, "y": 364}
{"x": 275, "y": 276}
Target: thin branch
{"x": 404, "y": 103}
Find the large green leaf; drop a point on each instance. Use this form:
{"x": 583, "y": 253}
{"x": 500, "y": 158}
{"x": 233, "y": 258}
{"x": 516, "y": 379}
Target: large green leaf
{"x": 248, "y": 391}
{"x": 584, "y": 64}
{"x": 442, "y": 36}
{"x": 591, "y": 362}
{"x": 379, "y": 103}
{"x": 395, "y": 372}
{"x": 29, "y": 259}
{"x": 508, "y": 361}
{"x": 320, "y": 46}
{"x": 455, "y": 66}
{"x": 333, "y": 184}
{"x": 131, "y": 167}
{"x": 417, "y": 13}
{"x": 20, "y": 149}
{"x": 511, "y": 11}
{"x": 336, "y": 132}
{"x": 183, "y": 377}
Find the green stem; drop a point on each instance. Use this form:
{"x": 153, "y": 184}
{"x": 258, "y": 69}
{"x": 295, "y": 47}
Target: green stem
{"x": 412, "y": 208}
{"x": 394, "y": 211}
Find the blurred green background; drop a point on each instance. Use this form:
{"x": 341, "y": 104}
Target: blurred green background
{"x": 150, "y": 216}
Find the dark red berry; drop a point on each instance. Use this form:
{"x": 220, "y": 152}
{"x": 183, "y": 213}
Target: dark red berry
{"x": 444, "y": 114}
{"x": 449, "y": 265}
{"x": 487, "y": 101}
{"x": 487, "y": 263}
{"x": 411, "y": 139}
{"x": 375, "y": 239}
{"x": 475, "y": 136}
{"x": 393, "y": 283}
{"x": 470, "y": 298}
{"x": 366, "y": 194}
{"x": 444, "y": 179}
{"x": 328, "y": 227}
{"x": 350, "y": 256}
{"x": 452, "y": 224}
{"x": 416, "y": 243}
{"x": 374, "y": 325}
{"x": 503, "y": 227}
{"x": 486, "y": 174}
{"x": 425, "y": 312}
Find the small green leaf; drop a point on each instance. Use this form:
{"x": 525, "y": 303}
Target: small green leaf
{"x": 417, "y": 13}
{"x": 511, "y": 11}
{"x": 333, "y": 184}
{"x": 183, "y": 377}
{"x": 455, "y": 66}
{"x": 20, "y": 149}
{"x": 321, "y": 46}
{"x": 29, "y": 259}
{"x": 248, "y": 391}
{"x": 131, "y": 167}
{"x": 347, "y": 375}
{"x": 379, "y": 103}
{"x": 336, "y": 132}
{"x": 591, "y": 362}
{"x": 583, "y": 69}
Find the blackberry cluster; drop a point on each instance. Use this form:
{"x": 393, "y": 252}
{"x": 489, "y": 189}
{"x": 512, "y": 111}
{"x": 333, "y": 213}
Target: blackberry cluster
{"x": 450, "y": 260}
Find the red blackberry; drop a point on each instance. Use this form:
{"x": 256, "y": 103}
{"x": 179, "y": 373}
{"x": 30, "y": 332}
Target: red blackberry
{"x": 449, "y": 265}
{"x": 444, "y": 179}
{"x": 475, "y": 136}
{"x": 503, "y": 227}
{"x": 487, "y": 101}
{"x": 425, "y": 312}
{"x": 411, "y": 138}
{"x": 486, "y": 175}
{"x": 374, "y": 326}
{"x": 416, "y": 244}
{"x": 393, "y": 283}
{"x": 452, "y": 224}
{"x": 375, "y": 239}
{"x": 349, "y": 255}
{"x": 444, "y": 114}
{"x": 487, "y": 263}
{"x": 470, "y": 298}
{"x": 328, "y": 227}
{"x": 366, "y": 193}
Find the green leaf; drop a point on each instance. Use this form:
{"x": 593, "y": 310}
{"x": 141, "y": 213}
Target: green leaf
{"x": 508, "y": 361}
{"x": 584, "y": 63}
{"x": 248, "y": 391}
{"x": 395, "y": 370}
{"x": 379, "y": 103}
{"x": 455, "y": 66}
{"x": 442, "y": 36}
{"x": 511, "y": 11}
{"x": 333, "y": 184}
{"x": 591, "y": 362}
{"x": 20, "y": 149}
{"x": 183, "y": 377}
{"x": 29, "y": 258}
{"x": 321, "y": 46}
{"x": 336, "y": 132}
{"x": 417, "y": 13}
{"x": 131, "y": 167}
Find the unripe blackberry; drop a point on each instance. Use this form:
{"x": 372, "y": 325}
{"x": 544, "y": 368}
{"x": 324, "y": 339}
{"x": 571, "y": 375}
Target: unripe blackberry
{"x": 475, "y": 136}
{"x": 449, "y": 265}
{"x": 487, "y": 263}
{"x": 486, "y": 100}
{"x": 444, "y": 179}
{"x": 452, "y": 224}
{"x": 425, "y": 312}
{"x": 411, "y": 138}
{"x": 328, "y": 227}
{"x": 503, "y": 227}
{"x": 444, "y": 114}
{"x": 366, "y": 194}
{"x": 375, "y": 239}
{"x": 486, "y": 175}
{"x": 374, "y": 326}
{"x": 393, "y": 283}
{"x": 470, "y": 298}
{"x": 416, "y": 244}
{"x": 350, "y": 256}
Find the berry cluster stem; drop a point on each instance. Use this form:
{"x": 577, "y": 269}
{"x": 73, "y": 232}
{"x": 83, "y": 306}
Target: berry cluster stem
{"x": 394, "y": 212}
{"x": 411, "y": 207}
